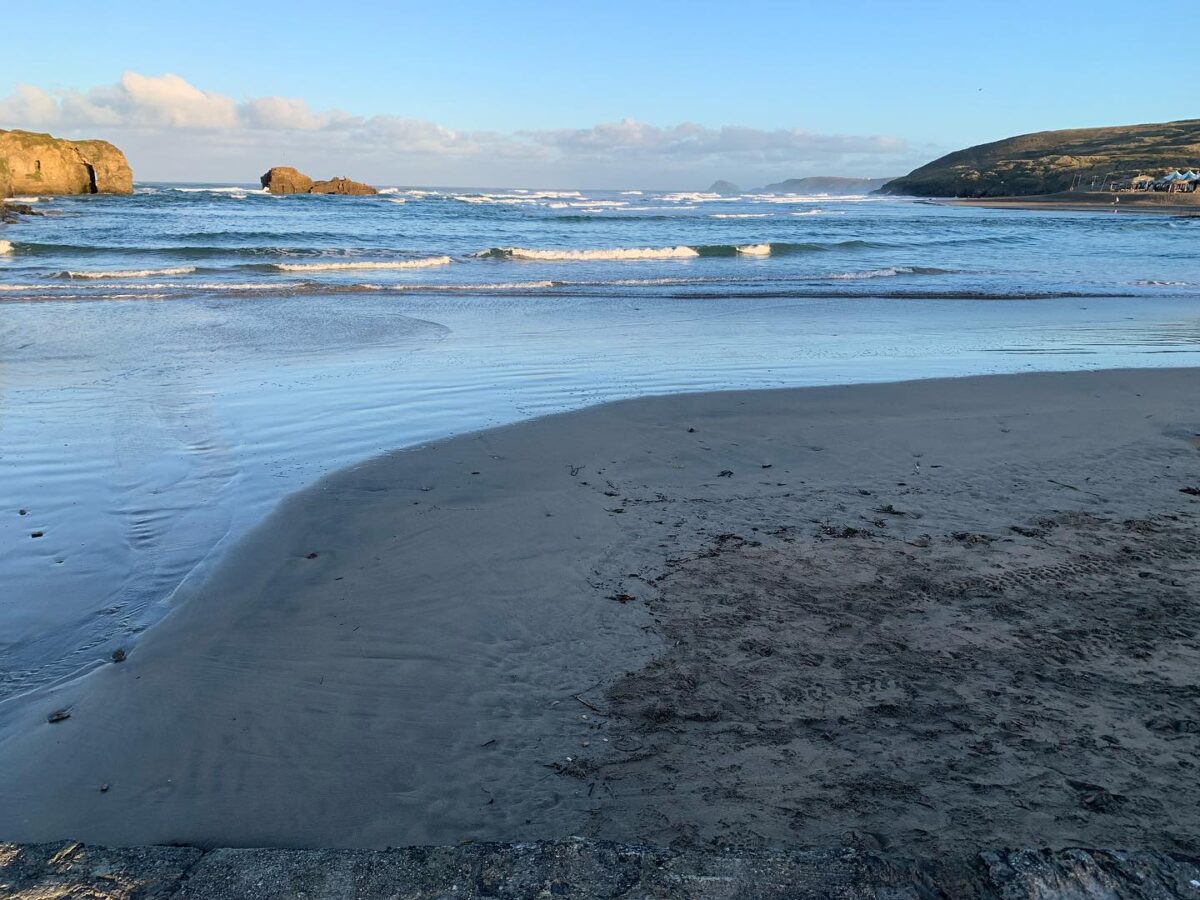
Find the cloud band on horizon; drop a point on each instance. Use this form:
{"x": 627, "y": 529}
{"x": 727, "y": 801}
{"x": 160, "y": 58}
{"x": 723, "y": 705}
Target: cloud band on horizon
{"x": 152, "y": 113}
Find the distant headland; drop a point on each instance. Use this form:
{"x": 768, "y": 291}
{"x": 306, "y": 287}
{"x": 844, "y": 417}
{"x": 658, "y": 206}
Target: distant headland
{"x": 1144, "y": 159}
{"x": 815, "y": 184}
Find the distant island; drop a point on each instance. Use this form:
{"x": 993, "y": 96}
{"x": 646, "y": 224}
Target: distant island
{"x": 1051, "y": 162}
{"x": 814, "y": 184}
{"x": 724, "y": 187}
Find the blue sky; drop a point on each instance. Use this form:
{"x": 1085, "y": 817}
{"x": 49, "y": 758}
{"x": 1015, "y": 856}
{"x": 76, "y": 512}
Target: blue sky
{"x": 516, "y": 90}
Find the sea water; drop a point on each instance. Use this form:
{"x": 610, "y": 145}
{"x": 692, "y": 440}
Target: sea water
{"x": 175, "y": 362}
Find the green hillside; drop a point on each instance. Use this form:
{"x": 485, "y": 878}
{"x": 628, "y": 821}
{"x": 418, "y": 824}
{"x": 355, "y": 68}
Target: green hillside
{"x": 1051, "y": 161}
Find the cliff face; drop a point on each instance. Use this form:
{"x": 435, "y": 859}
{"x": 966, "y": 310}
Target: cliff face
{"x": 342, "y": 185}
{"x": 1051, "y": 161}
{"x": 286, "y": 180}
{"x": 32, "y": 163}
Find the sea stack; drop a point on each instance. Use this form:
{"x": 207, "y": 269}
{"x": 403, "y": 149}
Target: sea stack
{"x": 33, "y": 163}
{"x": 286, "y": 180}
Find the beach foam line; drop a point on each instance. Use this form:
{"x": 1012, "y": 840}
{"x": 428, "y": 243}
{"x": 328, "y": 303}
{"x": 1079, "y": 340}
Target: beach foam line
{"x": 467, "y": 288}
{"x": 341, "y": 266}
{"x": 889, "y": 272}
{"x": 627, "y": 253}
{"x": 128, "y": 273}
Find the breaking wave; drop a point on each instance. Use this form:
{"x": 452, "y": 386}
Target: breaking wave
{"x": 889, "y": 272}
{"x": 681, "y": 251}
{"x": 128, "y": 273}
{"x": 5, "y": 247}
{"x": 341, "y": 266}
{"x": 631, "y": 253}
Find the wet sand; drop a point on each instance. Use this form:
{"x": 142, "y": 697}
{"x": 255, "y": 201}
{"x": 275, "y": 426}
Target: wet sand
{"x": 1098, "y": 201}
{"x": 923, "y": 617}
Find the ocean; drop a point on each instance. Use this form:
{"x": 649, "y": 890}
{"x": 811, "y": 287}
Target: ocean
{"x": 173, "y": 363}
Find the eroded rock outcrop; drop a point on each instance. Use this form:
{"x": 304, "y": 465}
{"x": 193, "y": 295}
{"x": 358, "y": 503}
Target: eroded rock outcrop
{"x": 286, "y": 180}
{"x": 342, "y": 185}
{"x": 33, "y": 163}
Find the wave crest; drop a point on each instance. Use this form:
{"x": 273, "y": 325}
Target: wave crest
{"x": 128, "y": 273}
{"x": 627, "y": 253}
{"x": 335, "y": 267}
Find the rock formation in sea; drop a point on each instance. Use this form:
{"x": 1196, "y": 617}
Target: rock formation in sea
{"x": 342, "y": 185}
{"x": 286, "y": 180}
{"x": 724, "y": 187}
{"x": 33, "y": 163}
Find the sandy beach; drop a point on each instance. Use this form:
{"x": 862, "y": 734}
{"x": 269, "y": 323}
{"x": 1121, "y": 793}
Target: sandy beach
{"x": 924, "y": 617}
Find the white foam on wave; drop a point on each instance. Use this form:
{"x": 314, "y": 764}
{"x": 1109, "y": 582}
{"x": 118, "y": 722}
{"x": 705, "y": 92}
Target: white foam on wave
{"x": 490, "y": 286}
{"x": 889, "y": 272}
{"x": 696, "y": 197}
{"x": 396, "y": 200}
{"x": 25, "y": 199}
{"x": 740, "y": 215}
{"x": 334, "y": 267}
{"x": 518, "y": 197}
{"x": 755, "y": 250}
{"x": 6, "y": 247}
{"x": 495, "y": 199}
{"x": 131, "y": 273}
{"x": 631, "y": 193}
{"x": 793, "y": 199}
{"x": 627, "y": 253}
{"x": 231, "y": 189}
{"x": 1150, "y": 282}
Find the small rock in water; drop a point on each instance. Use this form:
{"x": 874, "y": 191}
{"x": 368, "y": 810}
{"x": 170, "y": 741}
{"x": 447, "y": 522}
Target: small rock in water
{"x": 21, "y": 512}
{"x": 311, "y": 556}
{"x": 58, "y": 715}
{"x": 118, "y": 655}
{"x": 725, "y": 473}
{"x": 37, "y": 534}
{"x": 104, "y": 788}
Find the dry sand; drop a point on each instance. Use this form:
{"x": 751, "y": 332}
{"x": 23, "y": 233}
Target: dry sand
{"x": 923, "y": 617}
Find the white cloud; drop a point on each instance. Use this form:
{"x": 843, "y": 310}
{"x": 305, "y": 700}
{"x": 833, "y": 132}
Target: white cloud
{"x": 169, "y": 127}
{"x": 29, "y": 105}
